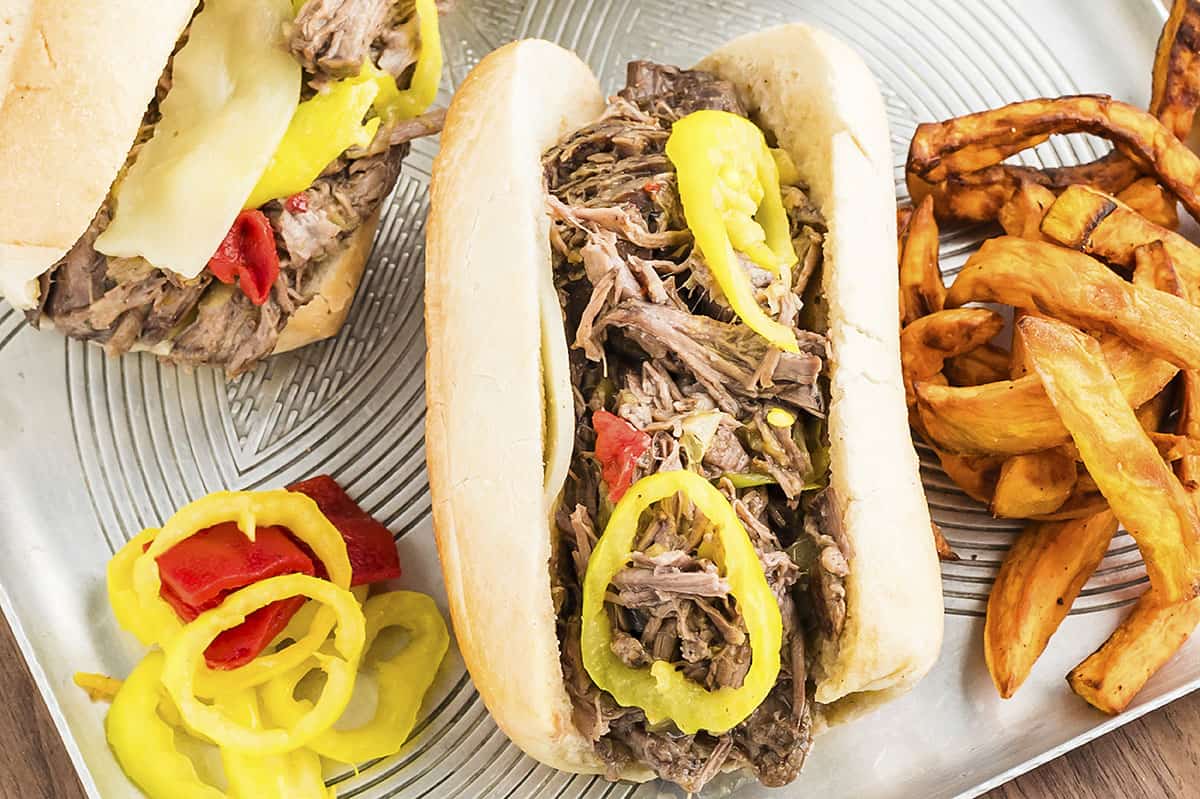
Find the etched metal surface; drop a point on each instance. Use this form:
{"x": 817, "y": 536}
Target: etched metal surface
{"x": 94, "y": 449}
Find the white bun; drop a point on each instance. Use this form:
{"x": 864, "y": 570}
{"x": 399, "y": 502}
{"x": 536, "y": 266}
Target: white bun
{"x": 67, "y": 106}
{"x": 489, "y": 431}
{"x": 821, "y": 102}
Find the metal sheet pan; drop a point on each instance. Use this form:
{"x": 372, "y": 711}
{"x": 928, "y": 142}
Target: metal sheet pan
{"x": 93, "y": 449}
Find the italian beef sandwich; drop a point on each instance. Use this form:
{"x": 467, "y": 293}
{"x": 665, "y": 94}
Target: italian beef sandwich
{"x": 203, "y": 180}
{"x": 675, "y": 497}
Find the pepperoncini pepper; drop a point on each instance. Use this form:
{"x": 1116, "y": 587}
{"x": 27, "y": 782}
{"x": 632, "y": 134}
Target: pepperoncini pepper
{"x": 157, "y": 620}
{"x": 661, "y": 691}
{"x": 402, "y": 679}
{"x": 185, "y": 651}
{"x": 321, "y": 129}
{"x": 729, "y": 186}
{"x": 422, "y": 90}
{"x": 144, "y": 744}
{"x": 332, "y": 122}
{"x": 293, "y": 775}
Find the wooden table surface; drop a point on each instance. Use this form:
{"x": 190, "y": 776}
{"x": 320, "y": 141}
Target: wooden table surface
{"x": 1155, "y": 757}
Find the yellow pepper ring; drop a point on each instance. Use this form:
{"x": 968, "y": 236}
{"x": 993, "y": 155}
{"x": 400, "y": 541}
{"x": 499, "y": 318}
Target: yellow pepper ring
{"x": 251, "y": 509}
{"x": 729, "y": 187}
{"x": 123, "y": 598}
{"x": 422, "y": 90}
{"x": 293, "y": 775}
{"x": 144, "y": 744}
{"x": 663, "y": 692}
{"x": 186, "y": 650}
{"x": 403, "y": 681}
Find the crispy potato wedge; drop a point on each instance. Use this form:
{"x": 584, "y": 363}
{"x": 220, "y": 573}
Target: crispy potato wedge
{"x": 1141, "y": 489}
{"x": 1022, "y": 215}
{"x": 1070, "y": 286}
{"x": 1034, "y": 484}
{"x": 1174, "y": 447}
{"x": 1038, "y": 582}
{"x": 1148, "y": 637}
{"x": 1013, "y": 417}
{"x": 930, "y": 340}
{"x": 922, "y": 290}
{"x": 979, "y": 196}
{"x": 977, "y": 141}
{"x": 1152, "y": 201}
{"x": 1188, "y": 468}
{"x": 1093, "y": 222}
{"x": 1084, "y": 502}
{"x": 1175, "y": 81}
{"x": 987, "y": 364}
{"x": 975, "y": 475}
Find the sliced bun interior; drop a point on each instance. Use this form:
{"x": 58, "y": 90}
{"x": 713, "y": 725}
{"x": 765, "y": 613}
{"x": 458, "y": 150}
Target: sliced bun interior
{"x": 70, "y": 109}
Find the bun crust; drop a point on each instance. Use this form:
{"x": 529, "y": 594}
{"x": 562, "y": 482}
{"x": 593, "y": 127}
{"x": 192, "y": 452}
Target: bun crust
{"x": 821, "y": 102}
{"x": 64, "y": 99}
{"x": 491, "y": 432}
{"x": 338, "y": 277}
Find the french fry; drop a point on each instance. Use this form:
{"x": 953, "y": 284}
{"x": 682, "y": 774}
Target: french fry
{"x": 1022, "y": 215}
{"x": 979, "y": 196}
{"x": 1152, "y": 633}
{"x": 1092, "y": 222}
{"x": 1070, "y": 286}
{"x": 1175, "y": 81}
{"x": 922, "y": 290}
{"x": 1154, "y": 264}
{"x": 930, "y": 340}
{"x": 1034, "y": 484}
{"x": 1152, "y": 201}
{"x": 1013, "y": 417}
{"x": 976, "y": 141}
{"x": 944, "y": 550}
{"x": 903, "y": 215}
{"x": 975, "y": 475}
{"x": 1084, "y": 502}
{"x": 1173, "y": 447}
{"x": 987, "y": 364}
{"x": 1038, "y": 582}
{"x": 1143, "y": 492}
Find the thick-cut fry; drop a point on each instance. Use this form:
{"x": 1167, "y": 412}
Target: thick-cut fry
{"x": 1015, "y": 417}
{"x": 1041, "y": 576}
{"x": 987, "y": 364}
{"x": 979, "y": 196}
{"x": 922, "y": 290}
{"x": 1143, "y": 643}
{"x": 929, "y": 341}
{"x": 1075, "y": 288}
{"x": 1175, "y": 82}
{"x": 975, "y": 475}
{"x": 976, "y": 141}
{"x": 903, "y": 216}
{"x": 1174, "y": 447}
{"x": 1087, "y": 220}
{"x": 1152, "y": 201}
{"x": 1085, "y": 501}
{"x": 1142, "y": 491}
{"x": 1033, "y": 484}
{"x": 1022, "y": 215}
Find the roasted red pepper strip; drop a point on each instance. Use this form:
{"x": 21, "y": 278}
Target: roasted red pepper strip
{"x": 369, "y": 545}
{"x": 248, "y": 256}
{"x": 198, "y": 573}
{"x": 618, "y": 447}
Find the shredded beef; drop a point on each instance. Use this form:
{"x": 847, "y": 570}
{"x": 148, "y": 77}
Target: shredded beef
{"x": 333, "y": 37}
{"x": 655, "y": 342}
{"x": 126, "y": 302}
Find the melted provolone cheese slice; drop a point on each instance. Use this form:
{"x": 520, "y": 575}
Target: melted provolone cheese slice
{"x": 234, "y": 92}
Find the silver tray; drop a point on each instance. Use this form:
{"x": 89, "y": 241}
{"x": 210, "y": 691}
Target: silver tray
{"x": 92, "y": 450}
